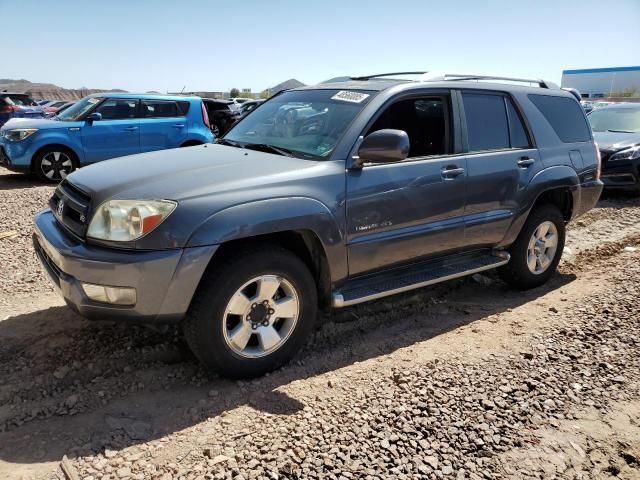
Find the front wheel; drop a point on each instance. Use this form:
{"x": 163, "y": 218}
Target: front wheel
{"x": 536, "y": 252}
{"x": 53, "y": 164}
{"x": 252, "y": 313}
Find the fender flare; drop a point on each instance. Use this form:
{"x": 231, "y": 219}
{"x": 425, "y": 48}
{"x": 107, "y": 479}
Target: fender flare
{"x": 277, "y": 215}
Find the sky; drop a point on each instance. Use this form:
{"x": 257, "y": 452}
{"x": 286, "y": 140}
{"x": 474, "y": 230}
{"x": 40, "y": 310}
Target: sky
{"x": 209, "y": 45}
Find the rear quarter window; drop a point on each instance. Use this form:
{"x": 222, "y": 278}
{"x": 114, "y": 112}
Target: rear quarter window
{"x": 565, "y": 116}
{"x": 183, "y": 107}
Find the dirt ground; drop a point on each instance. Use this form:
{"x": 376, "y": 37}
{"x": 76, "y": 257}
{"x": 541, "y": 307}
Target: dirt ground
{"x": 467, "y": 379}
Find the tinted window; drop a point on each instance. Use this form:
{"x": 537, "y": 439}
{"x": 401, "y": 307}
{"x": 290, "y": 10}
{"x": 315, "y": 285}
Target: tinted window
{"x": 183, "y": 107}
{"x": 425, "y": 120}
{"x": 18, "y": 100}
{"x": 113, "y": 109}
{"x": 487, "y": 127}
{"x": 519, "y": 138}
{"x": 565, "y": 116}
{"x": 157, "y": 109}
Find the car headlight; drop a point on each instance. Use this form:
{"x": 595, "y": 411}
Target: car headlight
{"x": 626, "y": 154}
{"x": 127, "y": 220}
{"x": 17, "y": 134}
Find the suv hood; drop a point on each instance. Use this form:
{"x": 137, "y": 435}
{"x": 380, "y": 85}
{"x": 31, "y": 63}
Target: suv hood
{"x": 39, "y": 123}
{"x": 184, "y": 174}
{"x": 613, "y": 141}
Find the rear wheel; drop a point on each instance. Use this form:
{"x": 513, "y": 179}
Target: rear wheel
{"x": 252, "y": 314}
{"x": 536, "y": 252}
{"x": 53, "y": 164}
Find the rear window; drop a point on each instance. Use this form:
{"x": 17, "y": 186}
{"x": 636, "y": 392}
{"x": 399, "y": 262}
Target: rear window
{"x": 487, "y": 126}
{"x": 18, "y": 100}
{"x": 565, "y": 115}
{"x": 159, "y": 109}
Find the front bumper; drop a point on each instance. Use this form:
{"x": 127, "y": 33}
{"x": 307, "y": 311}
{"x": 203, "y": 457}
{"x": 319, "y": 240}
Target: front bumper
{"x": 165, "y": 280}
{"x": 16, "y": 155}
{"x": 622, "y": 174}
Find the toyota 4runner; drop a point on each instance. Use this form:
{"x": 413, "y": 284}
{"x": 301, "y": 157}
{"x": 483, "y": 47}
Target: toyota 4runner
{"x": 324, "y": 197}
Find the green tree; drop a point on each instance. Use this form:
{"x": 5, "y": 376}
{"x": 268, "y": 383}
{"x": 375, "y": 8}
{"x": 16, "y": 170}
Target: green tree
{"x": 234, "y": 93}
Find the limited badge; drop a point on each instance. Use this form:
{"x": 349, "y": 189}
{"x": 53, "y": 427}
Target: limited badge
{"x": 353, "y": 97}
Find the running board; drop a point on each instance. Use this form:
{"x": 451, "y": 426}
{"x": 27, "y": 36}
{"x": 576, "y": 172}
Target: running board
{"x": 414, "y": 276}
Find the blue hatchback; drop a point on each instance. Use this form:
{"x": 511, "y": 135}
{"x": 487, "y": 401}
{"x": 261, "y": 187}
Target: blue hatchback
{"x": 100, "y": 127}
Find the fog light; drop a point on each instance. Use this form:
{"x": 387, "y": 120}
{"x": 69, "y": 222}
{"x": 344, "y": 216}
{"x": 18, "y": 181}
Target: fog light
{"x": 113, "y": 295}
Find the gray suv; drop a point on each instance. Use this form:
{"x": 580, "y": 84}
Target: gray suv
{"x": 324, "y": 197}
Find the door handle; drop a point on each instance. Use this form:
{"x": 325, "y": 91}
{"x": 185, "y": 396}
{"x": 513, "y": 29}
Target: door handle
{"x": 453, "y": 172}
{"x": 131, "y": 129}
{"x": 525, "y": 162}
{"x": 179, "y": 125}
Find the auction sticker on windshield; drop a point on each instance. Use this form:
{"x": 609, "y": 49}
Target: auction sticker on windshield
{"x": 353, "y": 97}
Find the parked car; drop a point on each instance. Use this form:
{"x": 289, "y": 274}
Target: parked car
{"x": 18, "y": 105}
{"x": 249, "y": 106}
{"x": 100, "y": 127}
{"x": 616, "y": 129}
{"x": 58, "y": 110}
{"x": 239, "y": 100}
{"x": 222, "y": 115}
{"x": 324, "y": 197}
{"x": 53, "y": 107}
{"x": 42, "y": 102}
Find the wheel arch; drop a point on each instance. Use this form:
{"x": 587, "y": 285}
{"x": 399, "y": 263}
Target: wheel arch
{"x": 54, "y": 145}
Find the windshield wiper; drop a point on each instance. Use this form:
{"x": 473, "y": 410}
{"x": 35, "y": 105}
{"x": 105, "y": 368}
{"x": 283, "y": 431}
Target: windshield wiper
{"x": 265, "y": 147}
{"x": 620, "y": 131}
{"x": 231, "y": 143}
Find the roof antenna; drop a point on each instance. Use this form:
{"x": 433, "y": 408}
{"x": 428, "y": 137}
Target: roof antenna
{"x": 183, "y": 89}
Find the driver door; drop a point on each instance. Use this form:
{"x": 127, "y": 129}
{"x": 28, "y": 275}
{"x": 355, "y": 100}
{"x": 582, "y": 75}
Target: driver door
{"x": 400, "y": 212}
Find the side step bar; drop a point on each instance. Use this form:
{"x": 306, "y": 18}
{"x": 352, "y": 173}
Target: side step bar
{"x": 414, "y": 276}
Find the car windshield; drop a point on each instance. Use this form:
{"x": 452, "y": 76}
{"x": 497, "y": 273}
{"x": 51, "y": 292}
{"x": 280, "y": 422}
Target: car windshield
{"x": 303, "y": 123}
{"x": 19, "y": 100}
{"x": 615, "y": 120}
{"x": 78, "y": 110}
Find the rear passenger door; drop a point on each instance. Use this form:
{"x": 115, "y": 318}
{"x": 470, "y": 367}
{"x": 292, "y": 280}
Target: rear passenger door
{"x": 163, "y": 124}
{"x": 116, "y": 135}
{"x": 501, "y": 160}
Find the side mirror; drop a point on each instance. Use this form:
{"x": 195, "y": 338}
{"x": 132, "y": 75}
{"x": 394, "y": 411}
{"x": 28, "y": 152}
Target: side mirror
{"x": 383, "y": 146}
{"x": 94, "y": 117}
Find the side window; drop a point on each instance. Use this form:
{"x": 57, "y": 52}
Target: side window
{"x": 183, "y": 107}
{"x": 519, "y": 137}
{"x": 565, "y": 115}
{"x": 116, "y": 109}
{"x": 426, "y": 121}
{"x": 159, "y": 109}
{"x": 487, "y": 125}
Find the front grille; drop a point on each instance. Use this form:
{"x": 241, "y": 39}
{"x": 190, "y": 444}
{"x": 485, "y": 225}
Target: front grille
{"x": 74, "y": 213}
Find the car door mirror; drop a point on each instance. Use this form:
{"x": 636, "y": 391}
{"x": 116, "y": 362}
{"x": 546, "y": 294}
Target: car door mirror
{"x": 383, "y": 146}
{"x": 94, "y": 117}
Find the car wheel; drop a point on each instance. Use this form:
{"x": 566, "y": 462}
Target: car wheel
{"x": 252, "y": 313}
{"x": 536, "y": 252}
{"x": 53, "y": 164}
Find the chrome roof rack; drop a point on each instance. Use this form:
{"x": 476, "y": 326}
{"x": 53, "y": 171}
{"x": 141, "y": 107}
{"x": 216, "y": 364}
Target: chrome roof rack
{"x": 456, "y": 77}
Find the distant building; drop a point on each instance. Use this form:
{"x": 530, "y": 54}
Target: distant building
{"x": 601, "y": 82}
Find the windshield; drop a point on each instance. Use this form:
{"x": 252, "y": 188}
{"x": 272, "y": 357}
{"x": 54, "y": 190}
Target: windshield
{"x": 306, "y": 123}
{"x": 19, "y": 100}
{"x": 78, "y": 110}
{"x": 615, "y": 120}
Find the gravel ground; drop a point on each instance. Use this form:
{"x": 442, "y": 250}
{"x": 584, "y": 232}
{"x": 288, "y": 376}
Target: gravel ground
{"x": 464, "y": 380}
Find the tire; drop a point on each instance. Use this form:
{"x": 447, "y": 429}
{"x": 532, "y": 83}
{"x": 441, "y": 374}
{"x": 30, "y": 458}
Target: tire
{"x": 53, "y": 164}
{"x": 519, "y": 272}
{"x": 213, "y": 319}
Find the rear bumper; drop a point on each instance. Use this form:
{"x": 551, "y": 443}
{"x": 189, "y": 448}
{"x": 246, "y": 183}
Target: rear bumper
{"x": 165, "y": 280}
{"x": 589, "y": 194}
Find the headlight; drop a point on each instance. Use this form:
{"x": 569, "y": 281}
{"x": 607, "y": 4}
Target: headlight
{"x": 17, "y": 134}
{"x": 127, "y": 220}
{"x": 627, "y": 154}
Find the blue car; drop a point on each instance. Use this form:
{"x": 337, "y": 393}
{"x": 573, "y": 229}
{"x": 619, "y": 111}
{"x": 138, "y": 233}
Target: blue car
{"x": 18, "y": 105}
{"x": 100, "y": 127}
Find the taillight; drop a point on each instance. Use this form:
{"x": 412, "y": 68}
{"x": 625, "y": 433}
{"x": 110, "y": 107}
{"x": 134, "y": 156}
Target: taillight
{"x": 599, "y": 167}
{"x": 205, "y": 115}
{"x": 10, "y": 108}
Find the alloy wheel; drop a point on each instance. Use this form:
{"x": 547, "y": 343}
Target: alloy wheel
{"x": 261, "y": 316}
{"x": 542, "y": 248}
{"x": 56, "y": 165}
